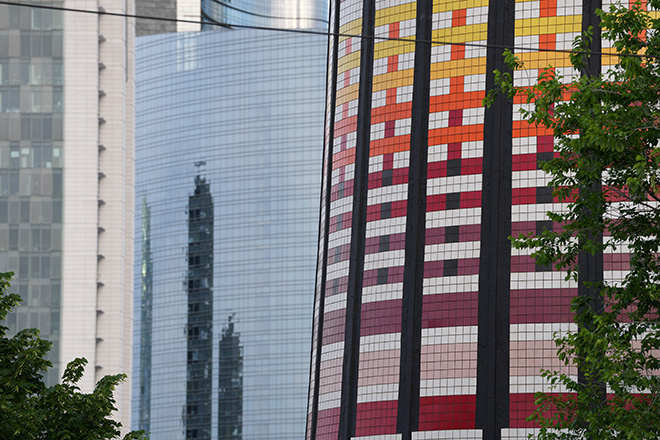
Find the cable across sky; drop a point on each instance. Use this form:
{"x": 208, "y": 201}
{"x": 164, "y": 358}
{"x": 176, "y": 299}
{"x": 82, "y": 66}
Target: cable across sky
{"x": 319, "y": 32}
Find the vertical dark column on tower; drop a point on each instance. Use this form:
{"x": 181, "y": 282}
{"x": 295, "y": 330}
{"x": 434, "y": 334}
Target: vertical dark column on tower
{"x": 591, "y": 266}
{"x": 200, "y": 311}
{"x": 324, "y": 223}
{"x": 349, "y": 386}
{"x": 413, "y": 275}
{"x": 591, "y": 20}
{"x": 492, "y": 407}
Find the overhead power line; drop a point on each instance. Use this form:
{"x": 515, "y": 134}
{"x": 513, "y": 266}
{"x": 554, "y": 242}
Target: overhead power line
{"x": 323, "y": 33}
{"x": 243, "y": 11}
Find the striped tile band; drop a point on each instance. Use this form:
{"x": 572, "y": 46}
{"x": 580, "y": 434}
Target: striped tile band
{"x": 427, "y": 325}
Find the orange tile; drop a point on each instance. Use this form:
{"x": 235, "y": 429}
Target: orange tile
{"x": 389, "y": 145}
{"x": 548, "y": 8}
{"x": 455, "y": 101}
{"x": 547, "y": 41}
{"x": 524, "y": 129}
{"x": 390, "y": 112}
{"x": 461, "y": 133}
{"x": 457, "y": 52}
{"x": 458, "y": 17}
{"x": 393, "y": 63}
{"x": 343, "y": 158}
{"x": 394, "y": 30}
{"x": 390, "y": 97}
{"x": 456, "y": 84}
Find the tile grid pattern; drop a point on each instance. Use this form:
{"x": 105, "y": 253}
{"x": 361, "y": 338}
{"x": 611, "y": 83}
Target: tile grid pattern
{"x": 319, "y": 296}
{"x": 386, "y": 209}
{"x": 339, "y": 232}
{"x": 449, "y": 338}
{"x": 539, "y": 296}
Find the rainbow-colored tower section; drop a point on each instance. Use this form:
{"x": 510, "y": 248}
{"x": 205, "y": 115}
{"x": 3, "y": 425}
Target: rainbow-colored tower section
{"x": 427, "y": 325}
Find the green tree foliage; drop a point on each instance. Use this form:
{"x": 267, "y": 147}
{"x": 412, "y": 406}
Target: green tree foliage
{"x": 606, "y": 171}
{"x": 29, "y": 410}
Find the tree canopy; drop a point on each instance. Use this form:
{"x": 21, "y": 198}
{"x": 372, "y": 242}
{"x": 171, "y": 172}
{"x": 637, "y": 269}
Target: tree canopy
{"x": 31, "y": 411}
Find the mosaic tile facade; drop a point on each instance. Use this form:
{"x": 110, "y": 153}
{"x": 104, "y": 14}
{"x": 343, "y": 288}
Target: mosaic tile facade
{"x": 427, "y": 324}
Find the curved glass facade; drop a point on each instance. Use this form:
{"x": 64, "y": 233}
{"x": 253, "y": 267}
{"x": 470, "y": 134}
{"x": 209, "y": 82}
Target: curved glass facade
{"x": 287, "y": 14}
{"x": 229, "y": 144}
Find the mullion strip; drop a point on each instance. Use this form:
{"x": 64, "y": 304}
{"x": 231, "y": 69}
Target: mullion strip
{"x": 413, "y": 275}
{"x": 492, "y": 400}
{"x": 590, "y": 267}
{"x": 349, "y": 386}
{"x": 330, "y": 113}
{"x": 591, "y": 20}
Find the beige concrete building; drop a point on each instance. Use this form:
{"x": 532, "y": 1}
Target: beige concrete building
{"x": 66, "y": 181}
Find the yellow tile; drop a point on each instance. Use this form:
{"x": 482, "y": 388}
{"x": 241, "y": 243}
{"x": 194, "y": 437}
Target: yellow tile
{"x": 352, "y": 28}
{"x": 548, "y": 25}
{"x": 348, "y": 62}
{"x": 454, "y": 5}
{"x": 447, "y": 69}
{"x": 540, "y": 60}
{"x": 393, "y": 79}
{"x": 347, "y": 94}
{"x": 394, "y": 47}
{"x": 395, "y": 14}
{"x": 475, "y": 32}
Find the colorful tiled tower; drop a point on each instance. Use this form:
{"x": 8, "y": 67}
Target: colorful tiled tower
{"x": 426, "y": 324}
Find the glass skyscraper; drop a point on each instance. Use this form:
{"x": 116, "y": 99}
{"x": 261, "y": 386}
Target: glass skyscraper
{"x": 229, "y": 144}
{"x": 288, "y": 14}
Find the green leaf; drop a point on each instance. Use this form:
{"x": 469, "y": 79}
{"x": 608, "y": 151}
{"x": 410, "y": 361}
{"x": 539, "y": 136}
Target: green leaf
{"x": 31, "y": 411}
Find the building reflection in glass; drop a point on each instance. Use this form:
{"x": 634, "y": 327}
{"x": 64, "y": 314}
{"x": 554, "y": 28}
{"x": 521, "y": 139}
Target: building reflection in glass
{"x": 146, "y": 294}
{"x": 200, "y": 312}
{"x": 247, "y": 107}
{"x": 230, "y": 384}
